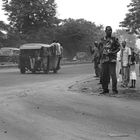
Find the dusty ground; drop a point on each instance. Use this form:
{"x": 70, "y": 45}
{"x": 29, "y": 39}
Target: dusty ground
{"x": 47, "y": 111}
{"x": 55, "y": 109}
{"x": 90, "y": 86}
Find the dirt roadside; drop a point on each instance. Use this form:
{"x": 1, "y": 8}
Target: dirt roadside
{"x": 46, "y": 110}
{"x": 90, "y": 86}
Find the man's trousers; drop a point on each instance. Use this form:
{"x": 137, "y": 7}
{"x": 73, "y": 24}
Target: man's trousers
{"x": 109, "y": 71}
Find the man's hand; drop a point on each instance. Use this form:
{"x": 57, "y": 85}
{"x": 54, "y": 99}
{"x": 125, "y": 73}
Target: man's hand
{"x": 128, "y": 64}
{"x": 90, "y": 46}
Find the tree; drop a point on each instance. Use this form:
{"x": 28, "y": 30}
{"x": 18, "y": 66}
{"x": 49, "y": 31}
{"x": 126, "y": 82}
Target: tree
{"x": 29, "y": 16}
{"x": 3, "y": 27}
{"x": 76, "y": 35}
{"x": 132, "y": 19}
{"x": 129, "y": 38}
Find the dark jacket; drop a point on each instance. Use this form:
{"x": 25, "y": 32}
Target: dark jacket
{"x": 108, "y": 49}
{"x": 95, "y": 53}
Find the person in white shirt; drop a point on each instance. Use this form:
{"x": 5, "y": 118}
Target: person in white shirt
{"x": 133, "y": 76}
{"x": 59, "y": 53}
{"x": 125, "y": 64}
{"x": 118, "y": 67}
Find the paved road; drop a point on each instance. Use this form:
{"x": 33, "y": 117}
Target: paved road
{"x": 11, "y": 77}
{"x": 40, "y": 107}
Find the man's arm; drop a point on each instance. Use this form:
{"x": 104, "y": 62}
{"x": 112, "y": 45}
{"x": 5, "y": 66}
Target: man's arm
{"x": 91, "y": 49}
{"x": 100, "y": 50}
{"x": 116, "y": 46}
{"x": 129, "y": 56}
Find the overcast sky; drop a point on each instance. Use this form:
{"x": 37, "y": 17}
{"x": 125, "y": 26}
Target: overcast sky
{"x": 105, "y": 12}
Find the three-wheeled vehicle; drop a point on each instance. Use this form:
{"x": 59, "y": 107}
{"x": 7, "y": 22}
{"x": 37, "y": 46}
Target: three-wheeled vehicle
{"x": 36, "y": 57}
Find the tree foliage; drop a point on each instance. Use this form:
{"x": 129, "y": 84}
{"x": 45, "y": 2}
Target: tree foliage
{"x": 132, "y": 19}
{"x": 30, "y": 20}
{"x": 30, "y": 15}
{"x": 3, "y": 27}
{"x": 36, "y": 21}
{"x": 129, "y": 38}
{"x": 76, "y": 35}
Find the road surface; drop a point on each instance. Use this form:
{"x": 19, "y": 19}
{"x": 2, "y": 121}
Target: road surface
{"x": 40, "y": 107}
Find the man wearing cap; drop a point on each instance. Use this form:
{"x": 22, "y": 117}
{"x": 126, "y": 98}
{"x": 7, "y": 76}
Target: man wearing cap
{"x": 109, "y": 47}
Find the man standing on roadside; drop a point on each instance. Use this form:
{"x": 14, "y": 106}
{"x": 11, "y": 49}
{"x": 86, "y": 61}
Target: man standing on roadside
{"x": 109, "y": 46}
{"x": 58, "y": 51}
{"x": 95, "y": 58}
{"x": 125, "y": 64}
{"x": 139, "y": 63}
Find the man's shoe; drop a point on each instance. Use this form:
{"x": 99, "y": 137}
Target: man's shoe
{"x": 104, "y": 92}
{"x": 115, "y": 92}
{"x": 124, "y": 86}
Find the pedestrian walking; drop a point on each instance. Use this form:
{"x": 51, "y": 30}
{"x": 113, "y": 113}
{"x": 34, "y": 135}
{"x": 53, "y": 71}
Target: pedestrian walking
{"x": 125, "y": 64}
{"x": 109, "y": 47}
{"x": 58, "y": 51}
{"x": 133, "y": 76}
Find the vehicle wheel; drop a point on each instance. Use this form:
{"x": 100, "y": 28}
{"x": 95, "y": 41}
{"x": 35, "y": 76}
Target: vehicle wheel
{"x": 22, "y": 70}
{"x": 45, "y": 70}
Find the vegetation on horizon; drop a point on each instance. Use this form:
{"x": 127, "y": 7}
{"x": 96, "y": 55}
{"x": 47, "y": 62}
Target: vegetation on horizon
{"x": 36, "y": 21}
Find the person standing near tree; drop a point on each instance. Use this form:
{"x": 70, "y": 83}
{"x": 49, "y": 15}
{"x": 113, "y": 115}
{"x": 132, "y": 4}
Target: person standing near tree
{"x": 109, "y": 46}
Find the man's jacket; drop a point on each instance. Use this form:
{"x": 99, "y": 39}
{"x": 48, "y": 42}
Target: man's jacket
{"x": 108, "y": 49}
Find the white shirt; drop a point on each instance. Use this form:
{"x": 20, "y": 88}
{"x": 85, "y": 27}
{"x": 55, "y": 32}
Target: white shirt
{"x": 58, "y": 48}
{"x": 119, "y": 56}
{"x": 126, "y": 52}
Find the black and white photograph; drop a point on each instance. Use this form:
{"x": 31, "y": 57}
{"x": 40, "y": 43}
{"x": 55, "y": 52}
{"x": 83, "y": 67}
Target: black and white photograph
{"x": 69, "y": 69}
